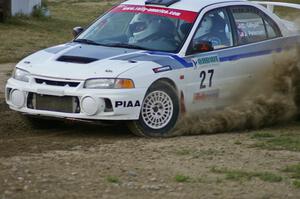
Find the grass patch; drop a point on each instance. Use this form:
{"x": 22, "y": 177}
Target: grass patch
{"x": 293, "y": 170}
{"x": 289, "y": 141}
{"x": 294, "y": 173}
{"x": 240, "y": 175}
{"x": 269, "y": 177}
{"x": 182, "y": 178}
{"x": 31, "y": 34}
{"x": 21, "y": 36}
{"x": 280, "y": 143}
{"x": 233, "y": 174}
{"x": 237, "y": 175}
{"x": 237, "y": 142}
{"x": 183, "y": 152}
{"x": 262, "y": 135}
{"x": 112, "y": 179}
{"x": 296, "y": 183}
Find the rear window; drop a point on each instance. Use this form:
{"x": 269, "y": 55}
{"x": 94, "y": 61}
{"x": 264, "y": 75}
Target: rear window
{"x": 253, "y": 25}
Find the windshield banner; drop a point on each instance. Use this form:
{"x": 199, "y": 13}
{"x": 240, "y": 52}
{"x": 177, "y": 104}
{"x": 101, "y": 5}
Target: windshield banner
{"x": 188, "y": 16}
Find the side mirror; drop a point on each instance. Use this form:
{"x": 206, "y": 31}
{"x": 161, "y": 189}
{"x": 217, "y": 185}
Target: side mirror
{"x": 202, "y": 46}
{"x": 77, "y": 31}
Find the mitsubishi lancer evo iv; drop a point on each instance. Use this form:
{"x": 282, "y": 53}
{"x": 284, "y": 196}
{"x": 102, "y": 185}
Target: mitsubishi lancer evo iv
{"x": 147, "y": 62}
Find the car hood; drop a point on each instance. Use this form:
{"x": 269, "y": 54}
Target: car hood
{"x": 78, "y": 61}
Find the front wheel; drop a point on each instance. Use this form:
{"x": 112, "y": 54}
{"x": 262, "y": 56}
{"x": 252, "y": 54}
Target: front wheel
{"x": 159, "y": 112}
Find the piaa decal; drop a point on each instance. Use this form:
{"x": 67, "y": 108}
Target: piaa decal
{"x": 127, "y": 104}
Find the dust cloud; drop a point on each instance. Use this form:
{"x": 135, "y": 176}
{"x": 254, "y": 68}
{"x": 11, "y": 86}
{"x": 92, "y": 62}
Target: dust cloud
{"x": 272, "y": 100}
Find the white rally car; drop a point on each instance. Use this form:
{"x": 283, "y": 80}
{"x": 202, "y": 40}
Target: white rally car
{"x": 146, "y": 62}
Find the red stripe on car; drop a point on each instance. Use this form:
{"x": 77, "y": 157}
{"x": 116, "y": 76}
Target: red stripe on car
{"x": 185, "y": 15}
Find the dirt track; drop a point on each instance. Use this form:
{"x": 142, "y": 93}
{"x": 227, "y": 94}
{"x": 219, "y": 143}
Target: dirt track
{"x": 80, "y": 161}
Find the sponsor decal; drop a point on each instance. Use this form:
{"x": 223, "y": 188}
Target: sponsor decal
{"x": 254, "y": 27}
{"x": 108, "y": 71}
{"x": 162, "y": 69}
{"x": 206, "y": 61}
{"x": 127, "y": 104}
{"x": 188, "y": 16}
{"x": 205, "y": 95}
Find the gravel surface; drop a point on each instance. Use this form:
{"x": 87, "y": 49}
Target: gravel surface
{"x": 86, "y": 161}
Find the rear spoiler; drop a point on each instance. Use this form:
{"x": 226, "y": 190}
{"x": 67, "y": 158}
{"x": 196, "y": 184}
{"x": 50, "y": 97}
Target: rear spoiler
{"x": 271, "y": 5}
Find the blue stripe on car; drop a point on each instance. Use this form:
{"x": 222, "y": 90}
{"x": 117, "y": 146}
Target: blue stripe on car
{"x": 252, "y": 50}
{"x": 227, "y": 54}
{"x": 176, "y": 57}
{"x": 187, "y": 64}
{"x": 248, "y": 55}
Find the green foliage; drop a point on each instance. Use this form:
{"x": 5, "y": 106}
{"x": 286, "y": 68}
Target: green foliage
{"x": 262, "y": 135}
{"x": 289, "y": 141}
{"x": 281, "y": 143}
{"x": 39, "y": 12}
{"x": 183, "y": 152}
{"x": 182, "y": 178}
{"x": 112, "y": 179}
{"x": 294, "y": 173}
{"x": 269, "y": 177}
{"x": 293, "y": 170}
{"x": 240, "y": 175}
{"x": 23, "y": 35}
{"x": 296, "y": 183}
{"x": 232, "y": 174}
{"x": 237, "y": 142}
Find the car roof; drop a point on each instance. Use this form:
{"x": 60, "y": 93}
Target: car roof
{"x": 190, "y": 5}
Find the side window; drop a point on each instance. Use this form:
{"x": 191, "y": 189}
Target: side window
{"x": 252, "y": 25}
{"x": 214, "y": 28}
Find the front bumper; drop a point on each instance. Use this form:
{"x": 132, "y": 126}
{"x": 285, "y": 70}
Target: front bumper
{"x": 90, "y": 104}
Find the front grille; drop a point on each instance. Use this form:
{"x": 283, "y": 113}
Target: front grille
{"x": 56, "y": 83}
{"x": 64, "y": 104}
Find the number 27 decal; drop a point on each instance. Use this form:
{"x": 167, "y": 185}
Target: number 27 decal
{"x": 203, "y": 75}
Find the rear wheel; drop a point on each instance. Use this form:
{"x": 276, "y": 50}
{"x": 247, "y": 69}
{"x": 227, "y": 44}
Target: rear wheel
{"x": 159, "y": 112}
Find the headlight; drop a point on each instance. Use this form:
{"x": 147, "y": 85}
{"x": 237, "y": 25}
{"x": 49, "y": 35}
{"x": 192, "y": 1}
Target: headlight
{"x": 108, "y": 83}
{"x": 21, "y": 75}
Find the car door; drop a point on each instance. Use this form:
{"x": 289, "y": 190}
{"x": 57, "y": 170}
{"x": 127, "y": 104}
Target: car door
{"x": 210, "y": 77}
{"x": 224, "y": 75}
{"x": 258, "y": 38}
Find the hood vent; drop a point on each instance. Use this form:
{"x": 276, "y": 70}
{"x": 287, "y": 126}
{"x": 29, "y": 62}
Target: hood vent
{"x": 76, "y": 59}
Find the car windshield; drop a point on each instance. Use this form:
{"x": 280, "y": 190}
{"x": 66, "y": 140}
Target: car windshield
{"x": 140, "y": 27}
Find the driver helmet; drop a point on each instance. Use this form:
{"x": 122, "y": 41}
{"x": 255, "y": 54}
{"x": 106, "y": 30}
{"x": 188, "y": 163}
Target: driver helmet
{"x": 205, "y": 26}
{"x": 143, "y": 26}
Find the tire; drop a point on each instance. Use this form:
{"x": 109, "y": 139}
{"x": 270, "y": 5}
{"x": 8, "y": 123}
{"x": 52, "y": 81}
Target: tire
{"x": 152, "y": 123}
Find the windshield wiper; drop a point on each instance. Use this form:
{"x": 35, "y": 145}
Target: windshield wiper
{"x": 121, "y": 45}
{"x": 124, "y": 45}
{"x": 86, "y": 41}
